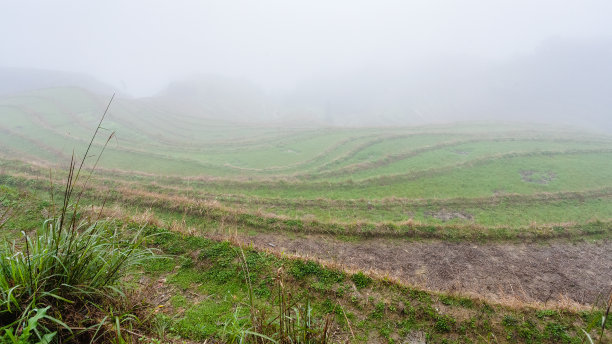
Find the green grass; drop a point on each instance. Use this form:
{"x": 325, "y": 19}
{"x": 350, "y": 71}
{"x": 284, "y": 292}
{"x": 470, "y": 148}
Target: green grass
{"x": 480, "y": 181}
{"x": 574, "y": 172}
{"x": 64, "y": 117}
{"x": 61, "y": 281}
{"x": 376, "y": 309}
{"x": 500, "y": 217}
{"x": 208, "y": 292}
{"x": 462, "y": 153}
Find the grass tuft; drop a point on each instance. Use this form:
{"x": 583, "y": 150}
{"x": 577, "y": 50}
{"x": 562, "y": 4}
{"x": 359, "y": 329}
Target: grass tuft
{"x": 62, "y": 281}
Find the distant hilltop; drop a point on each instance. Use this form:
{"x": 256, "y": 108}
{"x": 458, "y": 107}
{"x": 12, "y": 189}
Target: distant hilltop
{"x": 564, "y": 81}
{"x": 17, "y": 80}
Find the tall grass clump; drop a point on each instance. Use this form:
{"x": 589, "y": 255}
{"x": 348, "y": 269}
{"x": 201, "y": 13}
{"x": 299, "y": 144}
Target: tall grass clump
{"x": 293, "y": 321}
{"x": 58, "y": 283}
{"x": 600, "y": 324}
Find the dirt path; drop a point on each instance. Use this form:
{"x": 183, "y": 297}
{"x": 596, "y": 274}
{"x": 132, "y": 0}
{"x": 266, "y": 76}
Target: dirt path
{"x": 525, "y": 272}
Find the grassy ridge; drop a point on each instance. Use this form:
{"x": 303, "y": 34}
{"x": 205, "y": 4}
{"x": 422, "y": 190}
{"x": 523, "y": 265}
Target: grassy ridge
{"x": 196, "y": 289}
{"x": 192, "y": 146}
{"x": 466, "y": 181}
{"x": 365, "y": 309}
{"x": 216, "y": 212}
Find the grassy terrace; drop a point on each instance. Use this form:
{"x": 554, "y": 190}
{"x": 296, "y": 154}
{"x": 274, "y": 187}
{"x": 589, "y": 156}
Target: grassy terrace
{"x": 196, "y": 288}
{"x": 466, "y": 176}
{"x": 190, "y": 180}
{"x": 549, "y": 215}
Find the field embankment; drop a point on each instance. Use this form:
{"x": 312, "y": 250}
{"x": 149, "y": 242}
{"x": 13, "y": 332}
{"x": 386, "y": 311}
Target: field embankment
{"x": 511, "y": 215}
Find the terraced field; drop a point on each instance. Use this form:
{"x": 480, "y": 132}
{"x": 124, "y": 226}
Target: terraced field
{"x": 450, "y": 207}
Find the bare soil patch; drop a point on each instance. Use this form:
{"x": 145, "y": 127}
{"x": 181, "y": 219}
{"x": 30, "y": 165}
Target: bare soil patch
{"x": 447, "y": 215}
{"x": 537, "y": 177}
{"x": 526, "y": 272}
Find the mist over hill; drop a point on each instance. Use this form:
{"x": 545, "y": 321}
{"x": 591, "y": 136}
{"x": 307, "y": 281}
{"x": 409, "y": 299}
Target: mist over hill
{"x": 16, "y": 80}
{"x": 216, "y": 97}
{"x": 565, "y": 81}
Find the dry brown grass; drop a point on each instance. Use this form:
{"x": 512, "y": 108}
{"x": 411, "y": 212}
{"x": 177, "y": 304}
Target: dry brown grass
{"x": 509, "y": 301}
{"x": 210, "y": 208}
{"x": 116, "y": 212}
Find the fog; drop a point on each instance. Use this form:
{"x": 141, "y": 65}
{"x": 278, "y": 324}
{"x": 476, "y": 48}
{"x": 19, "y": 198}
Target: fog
{"x": 339, "y": 62}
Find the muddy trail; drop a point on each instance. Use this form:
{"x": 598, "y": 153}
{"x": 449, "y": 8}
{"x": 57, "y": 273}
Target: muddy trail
{"x": 525, "y": 272}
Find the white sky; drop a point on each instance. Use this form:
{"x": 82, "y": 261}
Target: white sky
{"x": 143, "y": 44}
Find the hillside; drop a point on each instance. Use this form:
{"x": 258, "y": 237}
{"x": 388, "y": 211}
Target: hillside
{"x": 463, "y": 229}
{"x": 401, "y": 172}
{"x": 17, "y": 80}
